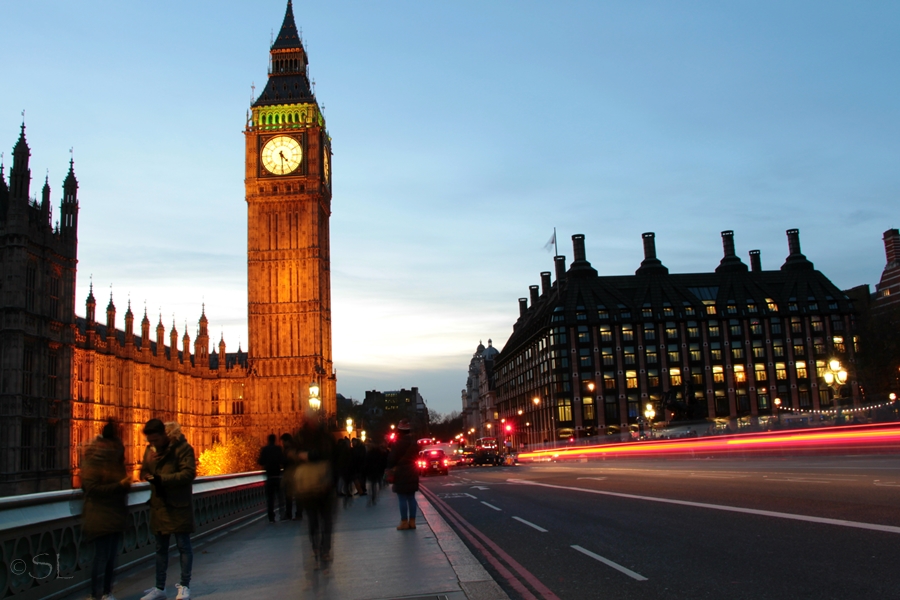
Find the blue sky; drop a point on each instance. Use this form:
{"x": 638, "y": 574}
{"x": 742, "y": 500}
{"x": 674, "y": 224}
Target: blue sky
{"x": 463, "y": 133}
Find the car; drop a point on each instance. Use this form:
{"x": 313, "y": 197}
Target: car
{"x": 466, "y": 459}
{"x": 433, "y": 461}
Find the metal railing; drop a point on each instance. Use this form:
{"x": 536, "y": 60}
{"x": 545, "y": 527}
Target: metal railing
{"x": 45, "y": 555}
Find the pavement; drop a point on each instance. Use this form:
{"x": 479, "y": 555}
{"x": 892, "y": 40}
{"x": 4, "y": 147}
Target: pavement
{"x": 372, "y": 560}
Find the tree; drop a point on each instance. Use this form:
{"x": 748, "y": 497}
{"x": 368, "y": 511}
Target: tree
{"x": 237, "y": 455}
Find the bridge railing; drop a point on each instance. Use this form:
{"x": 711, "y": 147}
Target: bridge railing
{"x": 45, "y": 554}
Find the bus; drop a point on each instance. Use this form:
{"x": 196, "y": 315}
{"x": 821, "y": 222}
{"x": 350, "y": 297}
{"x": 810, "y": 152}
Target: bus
{"x": 487, "y": 451}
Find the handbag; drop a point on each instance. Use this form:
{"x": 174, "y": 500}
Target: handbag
{"x": 312, "y": 479}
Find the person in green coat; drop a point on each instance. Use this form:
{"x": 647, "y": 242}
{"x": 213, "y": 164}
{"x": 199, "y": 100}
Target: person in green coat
{"x": 170, "y": 467}
{"x": 105, "y": 514}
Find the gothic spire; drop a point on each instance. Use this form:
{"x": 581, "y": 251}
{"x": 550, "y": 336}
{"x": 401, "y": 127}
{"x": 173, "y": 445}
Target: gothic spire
{"x": 20, "y": 174}
{"x": 288, "y": 36}
{"x": 288, "y": 78}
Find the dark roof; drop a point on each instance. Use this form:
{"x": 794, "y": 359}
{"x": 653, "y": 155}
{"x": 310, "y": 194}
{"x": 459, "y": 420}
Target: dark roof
{"x": 288, "y": 37}
{"x": 625, "y": 296}
{"x": 285, "y": 89}
{"x": 288, "y": 82}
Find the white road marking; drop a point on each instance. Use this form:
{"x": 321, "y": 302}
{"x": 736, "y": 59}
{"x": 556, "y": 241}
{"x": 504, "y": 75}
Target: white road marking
{"x": 799, "y": 479}
{"x": 480, "y": 487}
{"x": 489, "y": 505}
{"x": 530, "y": 524}
{"x": 596, "y": 478}
{"x": 748, "y": 511}
{"x": 887, "y": 483}
{"x": 610, "y": 563}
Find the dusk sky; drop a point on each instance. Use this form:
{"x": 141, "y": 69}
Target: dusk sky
{"x": 463, "y": 133}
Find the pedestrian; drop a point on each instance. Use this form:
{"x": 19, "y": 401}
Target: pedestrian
{"x": 402, "y": 461}
{"x": 291, "y": 508}
{"x": 376, "y": 459}
{"x": 357, "y": 465}
{"x": 170, "y": 467}
{"x": 313, "y": 484}
{"x": 105, "y": 513}
{"x": 271, "y": 458}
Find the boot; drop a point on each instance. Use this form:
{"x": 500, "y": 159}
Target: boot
{"x": 412, "y": 523}
{"x": 404, "y": 524}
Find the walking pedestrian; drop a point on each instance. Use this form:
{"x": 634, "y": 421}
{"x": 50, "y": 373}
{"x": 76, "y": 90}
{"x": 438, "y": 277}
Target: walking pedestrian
{"x": 406, "y": 478}
{"x": 170, "y": 467}
{"x": 357, "y": 465}
{"x": 313, "y": 484}
{"x": 376, "y": 459}
{"x": 271, "y": 458}
{"x": 291, "y": 508}
{"x": 105, "y": 513}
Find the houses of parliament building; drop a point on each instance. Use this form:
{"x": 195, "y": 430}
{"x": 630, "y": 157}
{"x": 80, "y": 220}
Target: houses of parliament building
{"x": 62, "y": 376}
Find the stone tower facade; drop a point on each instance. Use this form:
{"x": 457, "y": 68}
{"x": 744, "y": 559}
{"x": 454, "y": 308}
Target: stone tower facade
{"x": 37, "y": 326}
{"x": 288, "y": 193}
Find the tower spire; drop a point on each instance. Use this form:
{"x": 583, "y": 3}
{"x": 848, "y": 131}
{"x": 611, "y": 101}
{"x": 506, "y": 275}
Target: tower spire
{"x": 288, "y": 78}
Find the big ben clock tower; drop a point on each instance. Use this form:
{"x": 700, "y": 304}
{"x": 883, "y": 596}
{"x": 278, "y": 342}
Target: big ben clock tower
{"x": 288, "y": 191}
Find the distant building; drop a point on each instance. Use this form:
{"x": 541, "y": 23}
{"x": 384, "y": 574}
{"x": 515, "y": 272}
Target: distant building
{"x": 478, "y": 395}
{"x": 589, "y": 352}
{"x": 396, "y": 404}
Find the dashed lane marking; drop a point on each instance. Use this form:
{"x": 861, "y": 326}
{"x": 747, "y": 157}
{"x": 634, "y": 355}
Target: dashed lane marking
{"x": 610, "y": 563}
{"x": 530, "y": 524}
{"x": 490, "y": 505}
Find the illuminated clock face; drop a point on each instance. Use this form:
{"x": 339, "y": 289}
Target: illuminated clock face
{"x": 282, "y": 155}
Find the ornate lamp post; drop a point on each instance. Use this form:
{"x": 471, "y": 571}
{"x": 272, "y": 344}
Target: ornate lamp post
{"x": 315, "y": 402}
{"x": 537, "y": 403}
{"x": 777, "y": 403}
{"x": 649, "y": 413}
{"x": 836, "y": 377}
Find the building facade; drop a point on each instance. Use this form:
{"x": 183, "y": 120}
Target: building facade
{"x": 589, "y": 353}
{"x": 63, "y": 376}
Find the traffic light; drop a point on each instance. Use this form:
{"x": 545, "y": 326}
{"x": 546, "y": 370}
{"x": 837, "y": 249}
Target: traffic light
{"x": 508, "y": 428}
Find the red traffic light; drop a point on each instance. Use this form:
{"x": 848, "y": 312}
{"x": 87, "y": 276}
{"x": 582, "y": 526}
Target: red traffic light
{"x": 508, "y": 428}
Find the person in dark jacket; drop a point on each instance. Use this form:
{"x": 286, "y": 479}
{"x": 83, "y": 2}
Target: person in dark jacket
{"x": 105, "y": 513}
{"x": 406, "y": 478}
{"x": 170, "y": 467}
{"x": 313, "y": 483}
{"x": 376, "y": 459}
{"x": 271, "y": 458}
{"x": 357, "y": 465}
{"x": 287, "y": 479}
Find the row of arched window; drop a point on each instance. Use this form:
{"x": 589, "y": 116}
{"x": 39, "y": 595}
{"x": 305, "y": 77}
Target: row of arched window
{"x": 282, "y": 118}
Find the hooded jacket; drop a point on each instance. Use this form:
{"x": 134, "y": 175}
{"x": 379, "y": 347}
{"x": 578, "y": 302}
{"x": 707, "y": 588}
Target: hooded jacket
{"x": 174, "y": 470}
{"x": 105, "y": 496}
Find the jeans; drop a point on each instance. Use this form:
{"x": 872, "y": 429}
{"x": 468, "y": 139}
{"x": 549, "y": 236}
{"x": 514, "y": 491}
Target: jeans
{"x": 320, "y": 516}
{"x": 408, "y": 506}
{"x": 183, "y": 541}
{"x": 273, "y": 492}
{"x": 106, "y": 548}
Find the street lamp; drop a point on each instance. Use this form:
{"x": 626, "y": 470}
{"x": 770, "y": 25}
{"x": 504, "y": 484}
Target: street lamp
{"x": 836, "y": 377}
{"x": 650, "y": 413}
{"x": 349, "y": 427}
{"x": 314, "y": 402}
{"x": 777, "y": 406}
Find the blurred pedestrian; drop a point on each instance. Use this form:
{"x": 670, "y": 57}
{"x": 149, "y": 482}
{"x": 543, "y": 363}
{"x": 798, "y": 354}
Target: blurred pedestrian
{"x": 271, "y": 458}
{"x": 402, "y": 461}
{"x": 376, "y": 461}
{"x": 291, "y": 508}
{"x": 170, "y": 467}
{"x": 105, "y": 513}
{"x": 313, "y": 483}
{"x": 343, "y": 463}
{"x": 357, "y": 465}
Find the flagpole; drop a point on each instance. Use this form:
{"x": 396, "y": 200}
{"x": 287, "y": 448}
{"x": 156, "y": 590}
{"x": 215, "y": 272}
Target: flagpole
{"x": 555, "y": 244}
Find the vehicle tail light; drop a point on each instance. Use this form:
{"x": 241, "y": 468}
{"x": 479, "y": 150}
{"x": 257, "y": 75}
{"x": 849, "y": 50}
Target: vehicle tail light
{"x": 445, "y": 462}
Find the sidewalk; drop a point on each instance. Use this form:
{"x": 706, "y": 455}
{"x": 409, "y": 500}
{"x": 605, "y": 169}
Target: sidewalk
{"x": 372, "y": 561}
